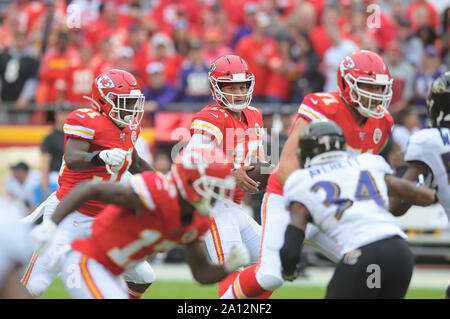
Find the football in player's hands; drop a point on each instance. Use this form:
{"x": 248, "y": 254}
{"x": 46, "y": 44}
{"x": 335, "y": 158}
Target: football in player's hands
{"x": 260, "y": 173}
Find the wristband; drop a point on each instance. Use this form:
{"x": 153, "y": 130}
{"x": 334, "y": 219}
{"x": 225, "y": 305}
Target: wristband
{"x": 94, "y": 159}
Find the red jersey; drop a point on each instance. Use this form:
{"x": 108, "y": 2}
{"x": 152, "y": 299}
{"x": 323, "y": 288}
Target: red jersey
{"x": 100, "y": 131}
{"x": 251, "y": 49}
{"x": 53, "y": 68}
{"x": 119, "y": 237}
{"x": 79, "y": 83}
{"x": 370, "y": 138}
{"x": 239, "y": 139}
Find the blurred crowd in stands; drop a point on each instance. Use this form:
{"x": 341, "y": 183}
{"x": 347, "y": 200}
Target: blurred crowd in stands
{"x": 51, "y": 50}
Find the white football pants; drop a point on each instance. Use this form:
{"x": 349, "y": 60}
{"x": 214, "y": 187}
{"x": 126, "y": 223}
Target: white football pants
{"x": 231, "y": 226}
{"x": 275, "y": 218}
{"x": 43, "y": 269}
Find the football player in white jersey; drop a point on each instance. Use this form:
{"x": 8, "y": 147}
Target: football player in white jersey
{"x": 428, "y": 150}
{"x": 348, "y": 199}
{"x": 15, "y": 251}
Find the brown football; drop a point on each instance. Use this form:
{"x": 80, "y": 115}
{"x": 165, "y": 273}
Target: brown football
{"x": 260, "y": 173}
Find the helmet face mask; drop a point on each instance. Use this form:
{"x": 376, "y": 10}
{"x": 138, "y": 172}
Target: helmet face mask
{"x": 369, "y": 103}
{"x": 226, "y": 70}
{"x": 321, "y": 141}
{"x": 356, "y": 74}
{"x": 202, "y": 177}
{"x": 116, "y": 93}
{"x": 231, "y": 100}
{"x": 213, "y": 189}
{"x": 438, "y": 101}
{"x": 128, "y": 109}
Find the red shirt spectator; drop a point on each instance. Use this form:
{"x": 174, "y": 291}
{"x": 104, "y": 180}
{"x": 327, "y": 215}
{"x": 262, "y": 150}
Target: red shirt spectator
{"x": 79, "y": 78}
{"x": 24, "y": 14}
{"x": 53, "y": 68}
{"x": 319, "y": 36}
{"x": 213, "y": 47}
{"x": 235, "y": 9}
{"x": 256, "y": 49}
{"x": 384, "y": 34}
{"x": 162, "y": 50}
{"x": 279, "y": 83}
{"x": 105, "y": 58}
{"x": 319, "y": 6}
{"x": 422, "y": 13}
{"x": 45, "y": 28}
{"x": 110, "y": 24}
{"x": 167, "y": 13}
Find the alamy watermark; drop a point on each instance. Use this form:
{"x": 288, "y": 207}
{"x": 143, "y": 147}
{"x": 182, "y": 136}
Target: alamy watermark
{"x": 242, "y": 146}
{"x": 373, "y": 20}
{"x": 73, "y": 16}
{"x": 374, "y": 278}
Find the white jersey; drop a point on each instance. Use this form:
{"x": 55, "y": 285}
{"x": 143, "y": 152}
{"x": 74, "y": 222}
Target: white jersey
{"x": 15, "y": 248}
{"x": 348, "y": 199}
{"x": 432, "y": 147}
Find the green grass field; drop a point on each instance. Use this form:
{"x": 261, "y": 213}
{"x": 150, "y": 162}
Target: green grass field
{"x": 188, "y": 290}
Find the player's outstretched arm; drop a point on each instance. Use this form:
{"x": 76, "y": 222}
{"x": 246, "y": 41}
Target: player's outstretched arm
{"x": 139, "y": 165}
{"x": 403, "y": 192}
{"x": 204, "y": 271}
{"x": 107, "y": 192}
{"x": 293, "y": 241}
{"x": 288, "y": 159}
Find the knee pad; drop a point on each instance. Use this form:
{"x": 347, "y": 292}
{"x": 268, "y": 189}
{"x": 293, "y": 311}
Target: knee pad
{"x": 142, "y": 273}
{"x": 268, "y": 281}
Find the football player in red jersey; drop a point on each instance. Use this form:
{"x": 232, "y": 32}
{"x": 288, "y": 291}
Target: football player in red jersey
{"x": 237, "y": 128}
{"x": 359, "y": 107}
{"x": 99, "y": 146}
{"x": 151, "y": 214}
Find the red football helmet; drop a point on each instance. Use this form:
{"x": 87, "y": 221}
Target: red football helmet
{"x": 116, "y": 93}
{"x": 202, "y": 174}
{"x": 369, "y": 68}
{"x": 230, "y": 68}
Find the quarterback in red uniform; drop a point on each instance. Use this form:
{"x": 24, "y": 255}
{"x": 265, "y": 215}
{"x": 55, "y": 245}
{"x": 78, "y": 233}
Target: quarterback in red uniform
{"x": 98, "y": 146}
{"x": 154, "y": 215}
{"x": 237, "y": 129}
{"x": 359, "y": 107}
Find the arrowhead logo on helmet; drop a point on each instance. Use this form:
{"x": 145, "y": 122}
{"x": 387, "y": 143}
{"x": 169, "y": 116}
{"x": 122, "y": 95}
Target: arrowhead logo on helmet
{"x": 347, "y": 63}
{"x": 105, "y": 82}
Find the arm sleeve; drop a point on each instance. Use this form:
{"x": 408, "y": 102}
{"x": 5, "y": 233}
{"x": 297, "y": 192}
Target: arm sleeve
{"x": 200, "y": 139}
{"x": 311, "y": 108}
{"x": 295, "y": 191}
{"x": 209, "y": 127}
{"x": 415, "y": 151}
{"x": 78, "y": 126}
